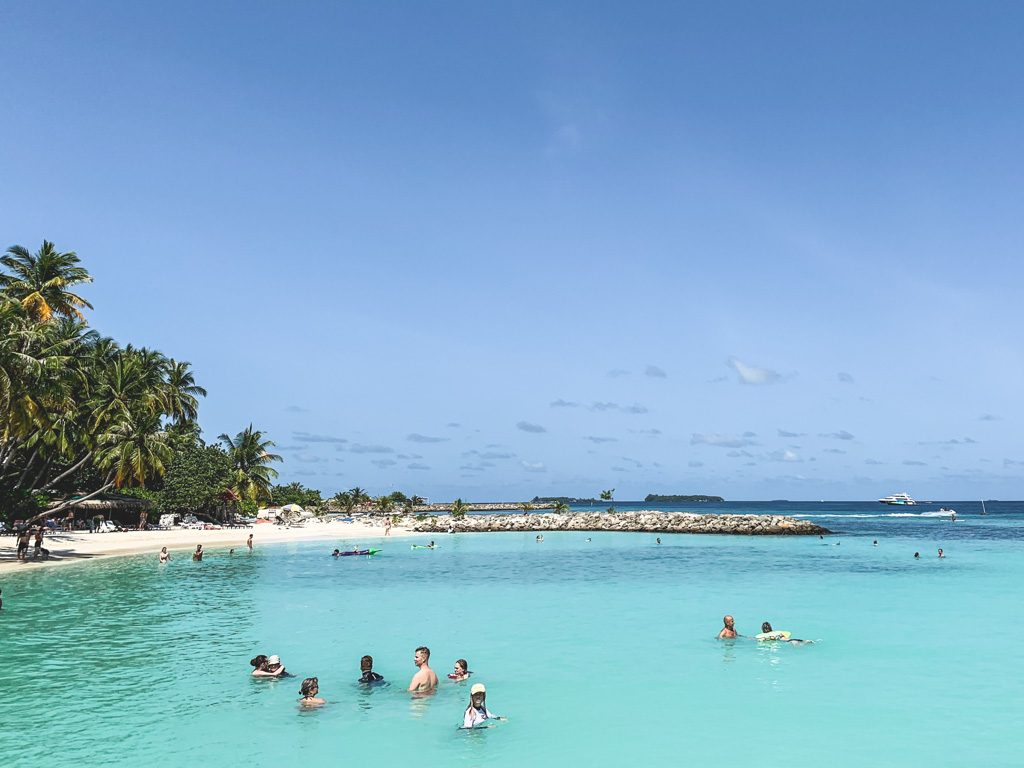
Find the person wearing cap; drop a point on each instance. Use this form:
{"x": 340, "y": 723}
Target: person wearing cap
{"x": 267, "y": 666}
{"x": 477, "y": 711}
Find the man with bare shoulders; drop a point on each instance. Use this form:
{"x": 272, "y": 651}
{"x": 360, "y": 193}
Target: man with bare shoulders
{"x": 425, "y": 680}
{"x": 729, "y": 630}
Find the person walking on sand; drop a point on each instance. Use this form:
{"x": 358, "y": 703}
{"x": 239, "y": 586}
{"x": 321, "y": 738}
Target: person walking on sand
{"x": 729, "y": 629}
{"x": 387, "y": 527}
{"x": 425, "y": 680}
{"x": 248, "y": 542}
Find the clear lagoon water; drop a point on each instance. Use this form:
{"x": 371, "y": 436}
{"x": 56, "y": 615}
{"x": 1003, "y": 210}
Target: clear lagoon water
{"x": 600, "y": 653}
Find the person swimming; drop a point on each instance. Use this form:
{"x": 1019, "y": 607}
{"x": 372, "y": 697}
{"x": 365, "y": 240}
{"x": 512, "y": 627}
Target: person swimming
{"x": 941, "y": 553}
{"x": 917, "y": 555}
{"x": 369, "y": 676}
{"x": 729, "y": 629}
{"x": 770, "y": 635}
{"x": 477, "y": 712}
{"x": 197, "y": 556}
{"x": 309, "y": 689}
{"x": 658, "y": 540}
{"x": 336, "y": 553}
{"x": 461, "y": 671}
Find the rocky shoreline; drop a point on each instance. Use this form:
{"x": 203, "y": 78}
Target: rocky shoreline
{"x": 640, "y": 522}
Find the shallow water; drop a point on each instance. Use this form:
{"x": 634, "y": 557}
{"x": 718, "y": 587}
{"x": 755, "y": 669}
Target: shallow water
{"x": 600, "y": 653}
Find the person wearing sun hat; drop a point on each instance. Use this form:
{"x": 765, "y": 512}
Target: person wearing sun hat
{"x": 477, "y": 712}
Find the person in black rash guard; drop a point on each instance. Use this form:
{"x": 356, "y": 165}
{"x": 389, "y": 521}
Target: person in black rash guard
{"x": 369, "y": 676}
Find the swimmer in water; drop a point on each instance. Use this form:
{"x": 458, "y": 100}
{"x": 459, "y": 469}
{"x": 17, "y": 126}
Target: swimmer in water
{"x": 588, "y": 539}
{"x": 769, "y": 634}
{"x": 336, "y": 553}
{"x": 425, "y": 679}
{"x": 917, "y": 555}
{"x": 309, "y": 689}
{"x": 658, "y": 540}
{"x": 197, "y": 556}
{"x": 477, "y": 712}
{"x": 941, "y": 553}
{"x": 260, "y": 667}
{"x": 729, "y": 629}
{"x": 461, "y": 671}
{"x": 874, "y": 543}
{"x": 164, "y": 555}
{"x": 369, "y": 676}
{"x": 539, "y": 538}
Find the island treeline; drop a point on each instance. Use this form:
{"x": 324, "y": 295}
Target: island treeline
{"x": 676, "y": 499}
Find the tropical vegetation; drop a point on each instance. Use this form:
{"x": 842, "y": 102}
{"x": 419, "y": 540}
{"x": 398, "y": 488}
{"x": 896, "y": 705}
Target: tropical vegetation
{"x": 81, "y": 415}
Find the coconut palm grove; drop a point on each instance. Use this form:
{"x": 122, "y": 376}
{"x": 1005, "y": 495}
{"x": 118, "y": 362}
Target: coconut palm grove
{"x": 82, "y": 415}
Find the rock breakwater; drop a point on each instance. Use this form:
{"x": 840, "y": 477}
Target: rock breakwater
{"x": 640, "y": 522}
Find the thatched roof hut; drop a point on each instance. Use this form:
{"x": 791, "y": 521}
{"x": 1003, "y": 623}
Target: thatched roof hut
{"x": 112, "y": 506}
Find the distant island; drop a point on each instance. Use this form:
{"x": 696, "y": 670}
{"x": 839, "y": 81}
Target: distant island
{"x": 564, "y": 499}
{"x": 654, "y": 497}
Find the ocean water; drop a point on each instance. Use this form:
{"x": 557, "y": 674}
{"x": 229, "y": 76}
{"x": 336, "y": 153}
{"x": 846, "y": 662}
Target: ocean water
{"x": 599, "y": 653}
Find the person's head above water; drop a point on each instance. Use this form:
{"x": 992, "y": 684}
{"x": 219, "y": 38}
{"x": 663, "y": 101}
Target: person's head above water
{"x": 422, "y": 656}
{"x": 766, "y": 627}
{"x": 366, "y": 664}
{"x": 259, "y": 661}
{"x": 728, "y": 621}
{"x": 309, "y": 686}
{"x": 478, "y": 696}
{"x": 461, "y": 666}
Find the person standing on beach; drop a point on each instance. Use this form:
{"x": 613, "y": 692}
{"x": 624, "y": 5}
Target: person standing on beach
{"x": 387, "y": 527}
{"x": 729, "y": 629}
{"x": 39, "y": 541}
{"x": 23, "y": 539}
{"x": 248, "y": 542}
{"x": 143, "y": 516}
{"x": 425, "y": 680}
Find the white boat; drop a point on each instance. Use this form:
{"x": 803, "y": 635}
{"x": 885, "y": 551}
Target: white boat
{"x": 899, "y": 499}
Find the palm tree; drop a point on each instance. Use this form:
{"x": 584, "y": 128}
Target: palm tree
{"x": 181, "y": 393}
{"x": 384, "y": 504}
{"x": 357, "y": 496}
{"x": 250, "y": 463}
{"x": 133, "y": 451}
{"x": 561, "y": 508}
{"x": 526, "y": 506}
{"x": 459, "y": 509}
{"x": 411, "y": 503}
{"x": 40, "y": 282}
{"x": 607, "y": 495}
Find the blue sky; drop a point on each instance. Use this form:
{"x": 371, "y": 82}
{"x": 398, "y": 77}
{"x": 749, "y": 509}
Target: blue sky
{"x": 498, "y": 250}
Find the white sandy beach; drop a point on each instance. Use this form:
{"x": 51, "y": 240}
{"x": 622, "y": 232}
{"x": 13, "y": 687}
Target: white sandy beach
{"x": 82, "y": 546}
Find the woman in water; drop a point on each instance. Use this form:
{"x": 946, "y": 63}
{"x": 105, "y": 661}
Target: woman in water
{"x": 267, "y": 667}
{"x": 309, "y": 689}
{"x": 767, "y": 633}
{"x": 477, "y": 712}
{"x": 164, "y": 555}
{"x": 461, "y": 671}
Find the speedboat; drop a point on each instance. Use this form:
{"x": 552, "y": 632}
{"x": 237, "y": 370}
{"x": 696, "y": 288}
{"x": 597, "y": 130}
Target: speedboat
{"x": 899, "y": 499}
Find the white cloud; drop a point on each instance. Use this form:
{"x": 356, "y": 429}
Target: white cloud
{"x": 840, "y": 435}
{"x": 595, "y": 439}
{"x": 418, "y": 438}
{"x": 360, "y": 448}
{"x": 560, "y": 403}
{"x": 750, "y": 374}
{"x": 534, "y": 466}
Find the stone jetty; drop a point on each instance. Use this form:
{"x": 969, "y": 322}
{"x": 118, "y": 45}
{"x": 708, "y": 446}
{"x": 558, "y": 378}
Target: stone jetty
{"x": 645, "y": 522}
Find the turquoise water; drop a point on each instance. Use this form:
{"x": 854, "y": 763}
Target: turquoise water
{"x": 600, "y": 653}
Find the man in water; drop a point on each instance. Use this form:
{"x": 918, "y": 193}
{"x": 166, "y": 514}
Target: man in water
{"x": 917, "y": 555}
{"x": 366, "y": 668}
{"x": 729, "y": 630}
{"x": 198, "y": 554}
{"x": 425, "y": 680}
{"x": 941, "y": 553}
{"x": 248, "y": 542}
